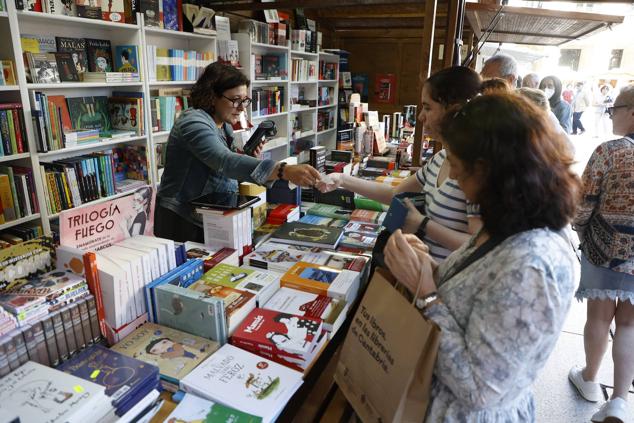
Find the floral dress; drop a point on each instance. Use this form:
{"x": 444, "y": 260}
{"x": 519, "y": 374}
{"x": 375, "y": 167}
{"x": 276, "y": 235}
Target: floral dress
{"x": 499, "y": 320}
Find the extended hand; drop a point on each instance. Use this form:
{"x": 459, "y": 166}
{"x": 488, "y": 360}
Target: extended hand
{"x": 258, "y": 150}
{"x": 303, "y": 175}
{"x": 330, "y": 182}
{"x": 407, "y": 258}
{"x": 413, "y": 219}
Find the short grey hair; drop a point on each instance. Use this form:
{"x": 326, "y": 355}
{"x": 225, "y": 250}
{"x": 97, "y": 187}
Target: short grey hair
{"x": 508, "y": 64}
{"x": 627, "y": 95}
{"x": 536, "y": 96}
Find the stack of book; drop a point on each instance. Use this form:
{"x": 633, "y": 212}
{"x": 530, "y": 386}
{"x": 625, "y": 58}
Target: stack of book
{"x": 288, "y": 339}
{"x": 239, "y": 379}
{"x": 303, "y": 70}
{"x": 267, "y": 100}
{"x": 282, "y": 213}
{"x": 12, "y": 130}
{"x": 25, "y": 308}
{"x": 7, "y": 322}
{"x": 232, "y": 229}
{"x": 126, "y": 379}
{"x": 322, "y": 280}
{"x": 17, "y": 193}
{"x": 36, "y": 393}
{"x": 111, "y": 77}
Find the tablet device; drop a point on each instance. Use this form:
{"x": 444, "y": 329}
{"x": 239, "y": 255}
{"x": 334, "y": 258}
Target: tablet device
{"x": 224, "y": 201}
{"x": 395, "y": 217}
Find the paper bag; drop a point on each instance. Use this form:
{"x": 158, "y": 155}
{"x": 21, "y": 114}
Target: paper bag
{"x": 388, "y": 356}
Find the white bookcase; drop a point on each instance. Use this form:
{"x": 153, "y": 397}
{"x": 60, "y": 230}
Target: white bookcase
{"x": 13, "y": 23}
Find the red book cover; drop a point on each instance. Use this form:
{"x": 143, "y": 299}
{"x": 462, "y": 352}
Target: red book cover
{"x": 92, "y": 278}
{"x": 60, "y": 103}
{"x": 217, "y": 258}
{"x": 179, "y": 14}
{"x": 279, "y": 333}
{"x": 18, "y": 132}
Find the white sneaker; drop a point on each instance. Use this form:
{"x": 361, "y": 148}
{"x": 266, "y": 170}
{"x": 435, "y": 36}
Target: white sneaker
{"x": 590, "y": 391}
{"x": 613, "y": 411}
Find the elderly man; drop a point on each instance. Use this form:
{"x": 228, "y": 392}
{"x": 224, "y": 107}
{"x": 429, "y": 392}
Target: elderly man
{"x": 530, "y": 81}
{"x": 607, "y": 265}
{"x": 501, "y": 66}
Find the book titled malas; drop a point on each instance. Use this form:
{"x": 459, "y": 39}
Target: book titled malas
{"x": 277, "y": 332}
{"x": 99, "y": 55}
{"x": 192, "y": 312}
{"x": 242, "y": 380}
{"x": 37, "y": 393}
{"x": 262, "y": 284}
{"x": 331, "y": 311}
{"x": 175, "y": 353}
{"x": 66, "y": 67}
{"x": 322, "y": 280}
{"x": 77, "y": 48}
{"x": 296, "y": 233}
{"x": 122, "y": 376}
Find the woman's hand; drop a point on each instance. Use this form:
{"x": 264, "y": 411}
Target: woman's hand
{"x": 330, "y": 182}
{"x": 407, "y": 257}
{"x": 413, "y": 219}
{"x": 303, "y": 175}
{"x": 258, "y": 150}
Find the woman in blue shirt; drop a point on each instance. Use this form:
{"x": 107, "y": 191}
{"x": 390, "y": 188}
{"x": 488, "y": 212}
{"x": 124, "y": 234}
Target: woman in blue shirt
{"x": 202, "y": 158}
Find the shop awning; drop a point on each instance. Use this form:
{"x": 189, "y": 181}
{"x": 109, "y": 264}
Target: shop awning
{"x": 527, "y": 25}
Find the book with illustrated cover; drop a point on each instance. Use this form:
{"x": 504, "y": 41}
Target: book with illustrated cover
{"x": 122, "y": 376}
{"x": 126, "y": 59}
{"x": 327, "y": 210}
{"x": 171, "y": 14}
{"x": 99, "y": 55}
{"x": 322, "y": 280}
{"x": 66, "y": 67}
{"x": 88, "y": 9}
{"x": 126, "y": 114}
{"x": 331, "y": 311}
{"x": 237, "y": 303}
{"x": 195, "y": 409}
{"x": 361, "y": 240}
{"x": 59, "y": 101}
{"x": 152, "y": 12}
{"x": 240, "y": 379}
{"x": 38, "y": 43}
{"x": 313, "y": 219}
{"x": 61, "y": 7}
{"x": 43, "y": 67}
{"x": 175, "y": 353}
{"x": 277, "y": 332}
{"x": 296, "y": 233}
{"x": 77, "y": 48}
{"x": 40, "y": 394}
{"x": 367, "y": 216}
{"x": 113, "y": 10}
{"x": 192, "y": 312}
{"x": 89, "y": 113}
{"x": 51, "y": 285}
{"x": 372, "y": 229}
{"x": 262, "y": 284}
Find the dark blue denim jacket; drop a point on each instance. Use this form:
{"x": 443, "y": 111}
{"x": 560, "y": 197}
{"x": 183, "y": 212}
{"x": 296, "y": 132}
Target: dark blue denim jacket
{"x": 201, "y": 160}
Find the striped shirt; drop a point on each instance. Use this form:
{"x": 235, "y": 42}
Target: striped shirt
{"x": 445, "y": 204}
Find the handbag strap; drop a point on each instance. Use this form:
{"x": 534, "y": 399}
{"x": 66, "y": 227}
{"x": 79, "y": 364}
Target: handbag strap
{"x": 480, "y": 252}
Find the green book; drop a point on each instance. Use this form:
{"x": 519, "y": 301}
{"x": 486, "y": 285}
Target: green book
{"x": 14, "y": 142}
{"x": 365, "y": 203}
{"x": 327, "y": 210}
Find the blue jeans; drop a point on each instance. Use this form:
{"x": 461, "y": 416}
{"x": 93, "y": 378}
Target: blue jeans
{"x": 576, "y": 122}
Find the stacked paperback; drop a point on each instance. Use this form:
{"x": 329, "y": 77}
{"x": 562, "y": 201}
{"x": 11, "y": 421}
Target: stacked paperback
{"x": 7, "y": 322}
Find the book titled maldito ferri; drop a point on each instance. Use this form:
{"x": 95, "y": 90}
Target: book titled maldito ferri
{"x": 245, "y": 381}
{"x": 322, "y": 280}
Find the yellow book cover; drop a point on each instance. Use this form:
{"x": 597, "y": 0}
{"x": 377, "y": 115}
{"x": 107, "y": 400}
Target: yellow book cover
{"x": 69, "y": 199}
{"x": 322, "y": 280}
{"x": 6, "y": 198}
{"x": 162, "y": 65}
{"x": 174, "y": 352}
{"x": 30, "y": 45}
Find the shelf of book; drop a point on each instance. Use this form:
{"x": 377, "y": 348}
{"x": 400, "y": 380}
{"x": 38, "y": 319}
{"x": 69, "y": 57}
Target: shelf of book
{"x": 170, "y": 83}
{"x": 91, "y": 203}
{"x": 160, "y": 134}
{"x": 263, "y": 46}
{"x": 304, "y": 54}
{"x": 327, "y": 81}
{"x": 73, "y": 21}
{"x": 313, "y": 81}
{"x": 268, "y": 82}
{"x": 63, "y": 85}
{"x": 9, "y": 88}
{"x": 20, "y": 221}
{"x": 181, "y": 34}
{"x": 15, "y": 157}
{"x": 304, "y": 109}
{"x": 90, "y": 147}
{"x": 269, "y": 116}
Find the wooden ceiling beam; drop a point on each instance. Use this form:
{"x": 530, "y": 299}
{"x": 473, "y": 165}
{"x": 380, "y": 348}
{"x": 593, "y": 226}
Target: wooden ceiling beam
{"x": 232, "y": 5}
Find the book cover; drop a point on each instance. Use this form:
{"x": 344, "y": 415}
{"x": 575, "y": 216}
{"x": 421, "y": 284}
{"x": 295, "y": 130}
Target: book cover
{"x": 113, "y": 10}
{"x": 77, "y": 48}
{"x": 362, "y": 240}
{"x": 174, "y": 352}
{"x": 192, "y": 312}
{"x": 61, "y": 7}
{"x": 89, "y": 113}
{"x": 51, "y": 285}
{"x": 126, "y": 114}
{"x": 371, "y": 229}
{"x": 25, "y": 260}
{"x": 170, "y": 14}
{"x": 88, "y": 8}
{"x": 277, "y": 332}
{"x": 309, "y": 235}
{"x": 122, "y": 376}
{"x": 327, "y": 210}
{"x": 126, "y": 59}
{"x": 44, "y": 69}
{"x": 235, "y": 300}
{"x": 194, "y": 409}
{"x": 99, "y": 55}
{"x": 261, "y": 284}
{"x": 240, "y": 379}
{"x": 40, "y": 394}
{"x": 38, "y": 43}
{"x": 66, "y": 67}
{"x": 152, "y": 13}
{"x": 322, "y": 280}
{"x": 62, "y": 109}
{"x": 367, "y": 216}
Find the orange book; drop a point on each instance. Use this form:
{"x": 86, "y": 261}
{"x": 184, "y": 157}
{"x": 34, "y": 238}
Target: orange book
{"x": 59, "y": 101}
{"x": 92, "y": 278}
{"x": 322, "y": 280}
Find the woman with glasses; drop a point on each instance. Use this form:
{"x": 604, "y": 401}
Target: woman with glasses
{"x": 202, "y": 157}
{"x": 605, "y": 223}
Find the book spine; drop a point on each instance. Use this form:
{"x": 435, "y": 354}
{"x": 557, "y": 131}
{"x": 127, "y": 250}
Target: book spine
{"x": 69, "y": 332}
{"x": 51, "y": 340}
{"x": 95, "y": 305}
{"x": 60, "y": 338}
{"x": 77, "y": 328}
{"x": 85, "y": 321}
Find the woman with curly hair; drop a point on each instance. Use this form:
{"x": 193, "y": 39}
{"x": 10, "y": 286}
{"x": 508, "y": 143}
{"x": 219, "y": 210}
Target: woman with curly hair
{"x": 500, "y": 300}
{"x": 202, "y": 158}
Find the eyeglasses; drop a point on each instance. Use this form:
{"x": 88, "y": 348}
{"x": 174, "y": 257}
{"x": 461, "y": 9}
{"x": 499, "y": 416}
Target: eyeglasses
{"x": 237, "y": 102}
{"x": 610, "y": 110}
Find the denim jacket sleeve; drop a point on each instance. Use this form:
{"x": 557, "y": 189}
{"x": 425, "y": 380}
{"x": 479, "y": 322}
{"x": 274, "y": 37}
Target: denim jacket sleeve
{"x": 204, "y": 142}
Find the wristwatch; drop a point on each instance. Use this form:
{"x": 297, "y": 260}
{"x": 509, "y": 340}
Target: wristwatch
{"x": 421, "y": 232}
{"x": 427, "y": 300}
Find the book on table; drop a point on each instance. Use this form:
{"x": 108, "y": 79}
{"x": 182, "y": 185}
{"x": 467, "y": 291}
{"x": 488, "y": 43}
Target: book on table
{"x": 297, "y": 233}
